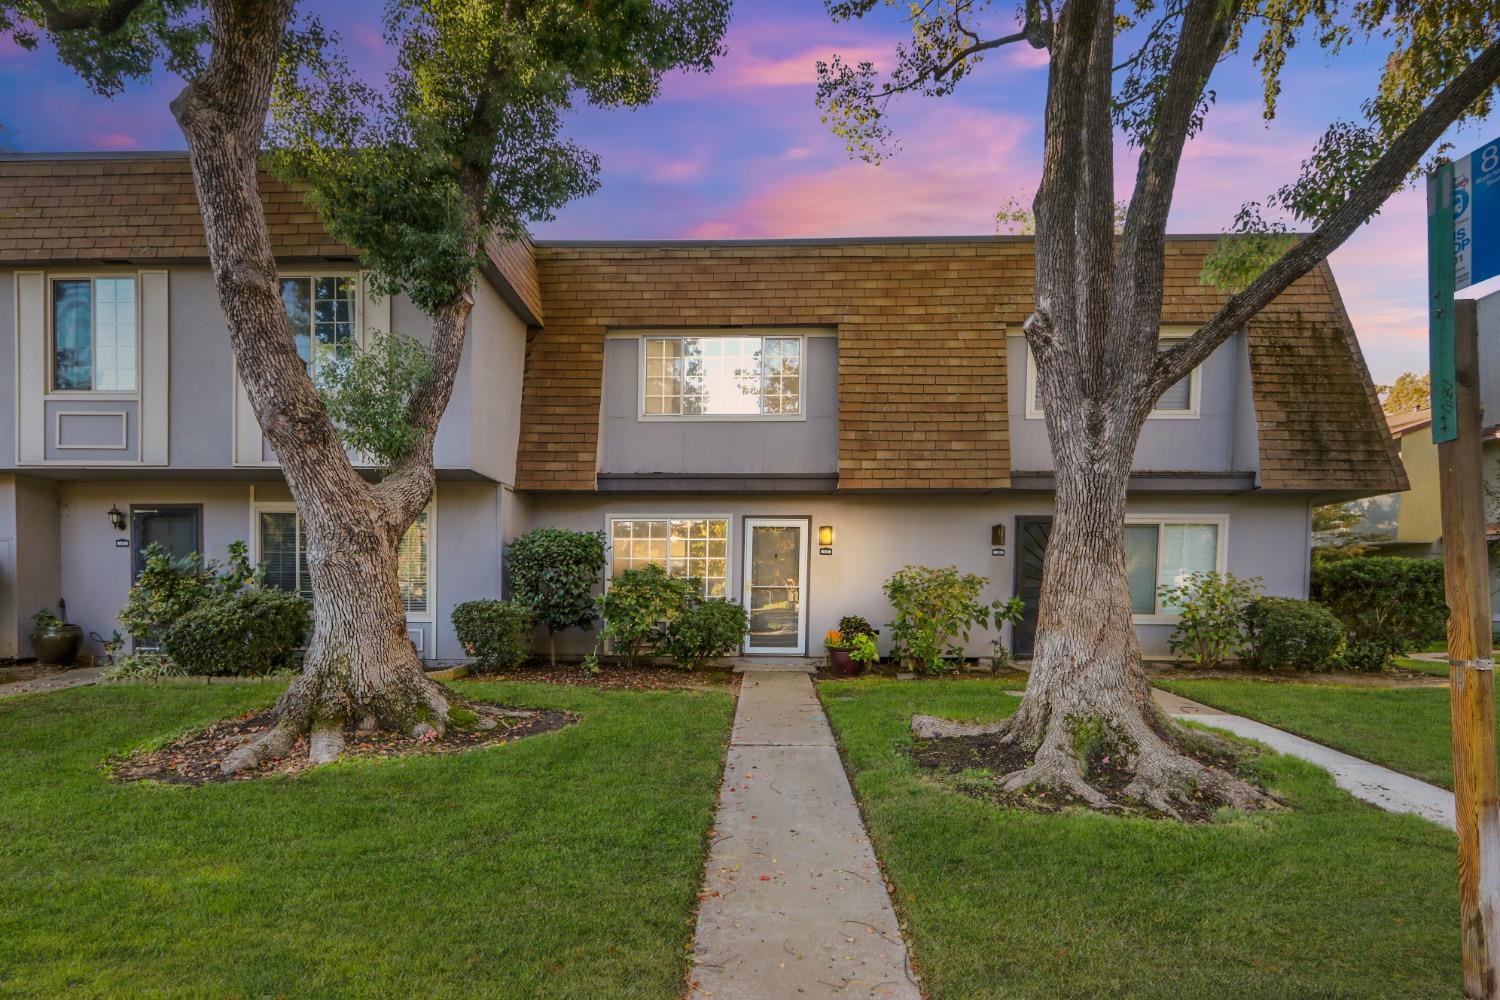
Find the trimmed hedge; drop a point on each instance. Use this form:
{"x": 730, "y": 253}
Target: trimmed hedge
{"x": 256, "y": 630}
{"x": 706, "y": 632}
{"x": 496, "y": 633}
{"x": 1297, "y": 635}
{"x": 1388, "y": 605}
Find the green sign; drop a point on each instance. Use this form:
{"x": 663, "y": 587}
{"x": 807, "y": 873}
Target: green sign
{"x": 1440, "y": 287}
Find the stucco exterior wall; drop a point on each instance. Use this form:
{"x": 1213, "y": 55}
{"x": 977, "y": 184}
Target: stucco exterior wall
{"x": 874, "y": 536}
{"x": 29, "y": 572}
{"x": 1221, "y": 438}
{"x": 1419, "y": 519}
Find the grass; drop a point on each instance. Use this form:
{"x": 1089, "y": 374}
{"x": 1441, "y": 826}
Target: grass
{"x": 1332, "y": 898}
{"x": 1435, "y": 668}
{"x": 565, "y": 865}
{"x": 1406, "y": 729}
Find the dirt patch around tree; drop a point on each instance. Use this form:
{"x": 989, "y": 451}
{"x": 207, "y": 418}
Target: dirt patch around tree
{"x": 972, "y": 765}
{"x": 195, "y": 759}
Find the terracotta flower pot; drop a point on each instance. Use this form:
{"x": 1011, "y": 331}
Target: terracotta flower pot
{"x": 843, "y": 664}
{"x": 57, "y": 645}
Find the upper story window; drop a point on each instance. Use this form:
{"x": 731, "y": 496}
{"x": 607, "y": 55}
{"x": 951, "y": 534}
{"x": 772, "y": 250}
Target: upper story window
{"x": 321, "y": 310}
{"x": 1180, "y": 400}
{"x": 737, "y": 376}
{"x": 94, "y": 334}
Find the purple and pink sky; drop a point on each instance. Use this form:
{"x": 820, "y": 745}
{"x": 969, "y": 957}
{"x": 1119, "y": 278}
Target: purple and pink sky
{"x": 742, "y": 153}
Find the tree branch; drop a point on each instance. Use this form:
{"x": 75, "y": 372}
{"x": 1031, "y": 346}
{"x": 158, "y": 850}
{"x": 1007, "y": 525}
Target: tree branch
{"x": 1382, "y": 180}
{"x": 938, "y": 72}
{"x": 106, "y": 20}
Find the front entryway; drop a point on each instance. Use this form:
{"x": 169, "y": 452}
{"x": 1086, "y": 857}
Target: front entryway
{"x": 177, "y": 529}
{"x": 1031, "y": 549}
{"x": 776, "y": 585}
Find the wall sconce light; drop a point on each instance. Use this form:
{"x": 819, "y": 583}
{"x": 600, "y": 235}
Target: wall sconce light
{"x": 825, "y": 540}
{"x": 997, "y": 539}
{"x": 117, "y": 517}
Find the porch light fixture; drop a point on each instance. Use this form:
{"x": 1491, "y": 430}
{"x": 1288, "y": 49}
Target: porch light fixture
{"x": 117, "y": 517}
{"x": 997, "y": 539}
{"x": 825, "y": 535}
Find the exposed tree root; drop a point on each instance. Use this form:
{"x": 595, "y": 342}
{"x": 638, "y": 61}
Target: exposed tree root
{"x": 1120, "y": 763}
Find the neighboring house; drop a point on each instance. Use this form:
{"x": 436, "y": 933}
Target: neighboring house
{"x": 789, "y": 420}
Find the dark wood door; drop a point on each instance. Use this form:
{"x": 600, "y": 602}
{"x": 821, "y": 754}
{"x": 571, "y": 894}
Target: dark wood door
{"x": 177, "y": 529}
{"x": 1031, "y": 548}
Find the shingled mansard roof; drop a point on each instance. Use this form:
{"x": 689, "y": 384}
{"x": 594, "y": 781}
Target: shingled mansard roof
{"x": 921, "y": 326}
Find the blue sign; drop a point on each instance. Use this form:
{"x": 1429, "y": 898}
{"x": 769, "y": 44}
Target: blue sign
{"x": 1476, "y": 216}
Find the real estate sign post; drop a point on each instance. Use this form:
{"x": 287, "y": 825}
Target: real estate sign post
{"x": 1464, "y": 246}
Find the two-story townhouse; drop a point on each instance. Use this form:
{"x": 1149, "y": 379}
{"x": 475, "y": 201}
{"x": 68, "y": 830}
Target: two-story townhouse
{"x": 789, "y": 421}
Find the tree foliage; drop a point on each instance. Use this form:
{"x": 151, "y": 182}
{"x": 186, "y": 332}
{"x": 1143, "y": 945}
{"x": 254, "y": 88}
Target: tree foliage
{"x": 368, "y": 392}
{"x": 1409, "y": 392}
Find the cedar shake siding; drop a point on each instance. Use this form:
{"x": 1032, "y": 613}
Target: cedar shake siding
{"x": 922, "y": 380}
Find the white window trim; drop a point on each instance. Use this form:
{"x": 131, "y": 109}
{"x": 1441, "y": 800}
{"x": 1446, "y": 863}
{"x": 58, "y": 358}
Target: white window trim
{"x": 728, "y": 519}
{"x": 1195, "y": 384}
{"x": 1221, "y": 553}
{"x": 358, "y": 318}
{"x": 258, "y": 507}
{"x": 49, "y": 280}
{"x": 763, "y": 332}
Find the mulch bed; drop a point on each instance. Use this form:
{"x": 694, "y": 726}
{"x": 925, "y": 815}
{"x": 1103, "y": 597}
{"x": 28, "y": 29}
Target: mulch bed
{"x": 195, "y": 759}
{"x": 953, "y": 755}
{"x": 617, "y": 678}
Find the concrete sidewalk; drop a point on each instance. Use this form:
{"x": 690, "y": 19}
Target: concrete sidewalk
{"x": 57, "y": 681}
{"x": 794, "y": 905}
{"x": 1379, "y": 786}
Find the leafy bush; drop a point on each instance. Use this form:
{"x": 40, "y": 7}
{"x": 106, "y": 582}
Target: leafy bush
{"x": 255, "y": 630}
{"x": 935, "y": 609}
{"x": 640, "y": 606}
{"x": 1297, "y": 635}
{"x": 496, "y": 633}
{"x": 864, "y": 649}
{"x": 169, "y": 588}
{"x": 851, "y": 626}
{"x": 553, "y": 571}
{"x": 1387, "y": 605}
{"x": 706, "y": 631}
{"x": 1211, "y": 615}
{"x": 145, "y": 666}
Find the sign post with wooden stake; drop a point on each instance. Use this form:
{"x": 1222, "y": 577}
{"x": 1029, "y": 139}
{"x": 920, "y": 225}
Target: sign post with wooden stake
{"x": 1456, "y": 422}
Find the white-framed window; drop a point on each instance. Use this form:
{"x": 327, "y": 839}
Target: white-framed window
{"x": 322, "y": 310}
{"x": 1163, "y": 551}
{"x": 696, "y": 546}
{"x": 281, "y": 548}
{"x": 95, "y": 334}
{"x": 730, "y": 376}
{"x": 1179, "y": 401}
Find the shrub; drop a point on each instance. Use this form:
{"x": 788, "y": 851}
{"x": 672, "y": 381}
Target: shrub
{"x": 553, "y": 571}
{"x": 1211, "y": 615}
{"x": 640, "y": 606}
{"x": 935, "y": 609}
{"x": 167, "y": 588}
{"x": 864, "y": 649}
{"x": 145, "y": 666}
{"x": 1298, "y": 635}
{"x": 1387, "y": 605}
{"x": 254, "y": 630}
{"x": 706, "y": 631}
{"x": 851, "y": 626}
{"x": 496, "y": 633}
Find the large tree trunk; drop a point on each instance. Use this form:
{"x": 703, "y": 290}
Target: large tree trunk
{"x": 361, "y": 670}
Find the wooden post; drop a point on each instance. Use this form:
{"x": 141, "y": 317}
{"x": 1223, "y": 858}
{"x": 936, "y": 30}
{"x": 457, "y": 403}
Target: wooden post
{"x": 1471, "y": 670}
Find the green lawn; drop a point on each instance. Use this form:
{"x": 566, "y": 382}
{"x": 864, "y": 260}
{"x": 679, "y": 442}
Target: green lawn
{"x": 1407, "y": 729}
{"x": 566, "y": 865}
{"x": 1331, "y": 899}
{"x": 1436, "y": 669}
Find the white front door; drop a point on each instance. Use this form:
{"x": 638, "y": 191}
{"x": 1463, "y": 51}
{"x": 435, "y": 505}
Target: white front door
{"x": 776, "y": 585}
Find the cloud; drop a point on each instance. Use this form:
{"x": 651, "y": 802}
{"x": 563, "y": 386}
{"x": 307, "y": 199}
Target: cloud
{"x": 959, "y": 164}
{"x": 114, "y": 141}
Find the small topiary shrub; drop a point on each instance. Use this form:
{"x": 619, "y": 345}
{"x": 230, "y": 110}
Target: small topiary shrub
{"x": 1282, "y": 632}
{"x": 640, "y": 606}
{"x": 255, "y": 630}
{"x": 553, "y": 571}
{"x": 1387, "y": 604}
{"x": 706, "y": 631}
{"x": 496, "y": 633}
{"x": 1211, "y": 615}
{"x": 935, "y": 609}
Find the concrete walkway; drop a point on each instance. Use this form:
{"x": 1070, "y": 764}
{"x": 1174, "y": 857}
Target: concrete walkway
{"x": 1380, "y": 786}
{"x": 53, "y": 681}
{"x": 794, "y": 906}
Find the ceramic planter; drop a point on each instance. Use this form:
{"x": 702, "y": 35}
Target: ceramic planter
{"x": 56, "y": 645}
{"x": 843, "y": 664}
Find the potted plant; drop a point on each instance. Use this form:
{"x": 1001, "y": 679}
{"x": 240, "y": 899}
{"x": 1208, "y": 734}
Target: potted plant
{"x": 55, "y": 641}
{"x": 838, "y": 654}
{"x": 863, "y": 652}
